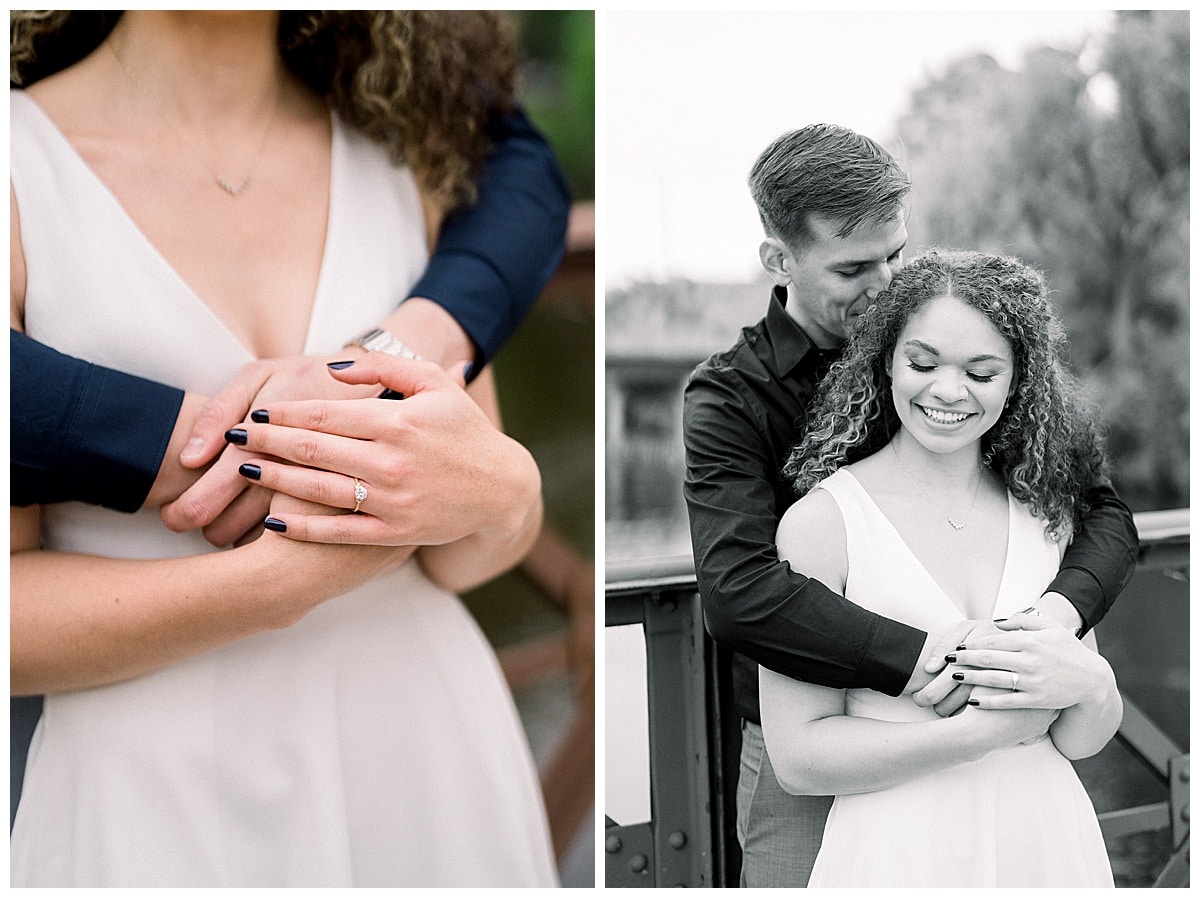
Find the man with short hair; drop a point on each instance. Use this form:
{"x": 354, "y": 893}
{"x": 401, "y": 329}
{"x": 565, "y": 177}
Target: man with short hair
{"x": 832, "y": 207}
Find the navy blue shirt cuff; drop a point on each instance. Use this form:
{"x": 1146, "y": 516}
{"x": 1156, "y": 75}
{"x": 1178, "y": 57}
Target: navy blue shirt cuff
{"x": 80, "y": 432}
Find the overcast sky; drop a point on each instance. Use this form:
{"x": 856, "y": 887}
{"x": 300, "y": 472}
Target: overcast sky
{"x": 691, "y": 98}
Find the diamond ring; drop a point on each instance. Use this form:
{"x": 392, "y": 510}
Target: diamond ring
{"x": 1016, "y": 679}
{"x": 360, "y": 496}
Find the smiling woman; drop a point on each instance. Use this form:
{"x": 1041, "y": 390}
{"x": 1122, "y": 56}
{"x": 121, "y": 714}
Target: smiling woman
{"x": 930, "y": 501}
{"x": 951, "y": 375}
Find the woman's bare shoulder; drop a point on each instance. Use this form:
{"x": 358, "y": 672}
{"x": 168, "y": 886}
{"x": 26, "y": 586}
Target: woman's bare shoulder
{"x": 811, "y": 538}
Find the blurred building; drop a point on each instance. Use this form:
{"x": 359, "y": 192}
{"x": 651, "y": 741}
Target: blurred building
{"x": 655, "y": 334}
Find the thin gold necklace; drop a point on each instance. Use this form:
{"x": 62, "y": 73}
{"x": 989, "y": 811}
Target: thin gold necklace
{"x": 920, "y": 485}
{"x": 230, "y": 186}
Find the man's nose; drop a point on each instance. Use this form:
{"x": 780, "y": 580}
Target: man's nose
{"x": 881, "y": 276}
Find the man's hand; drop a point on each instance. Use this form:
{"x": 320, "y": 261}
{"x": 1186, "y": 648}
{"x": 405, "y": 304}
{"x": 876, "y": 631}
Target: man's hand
{"x": 932, "y": 684}
{"x": 223, "y": 502}
{"x": 1055, "y": 608}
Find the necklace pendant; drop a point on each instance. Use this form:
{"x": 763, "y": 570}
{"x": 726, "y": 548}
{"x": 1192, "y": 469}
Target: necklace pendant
{"x": 232, "y": 189}
{"x": 956, "y": 526}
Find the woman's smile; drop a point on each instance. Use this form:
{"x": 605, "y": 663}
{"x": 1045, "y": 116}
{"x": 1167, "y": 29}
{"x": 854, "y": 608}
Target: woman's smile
{"x": 941, "y": 416}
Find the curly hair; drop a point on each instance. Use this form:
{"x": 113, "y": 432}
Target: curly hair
{"x": 829, "y": 171}
{"x": 427, "y": 84}
{"x": 1045, "y": 446}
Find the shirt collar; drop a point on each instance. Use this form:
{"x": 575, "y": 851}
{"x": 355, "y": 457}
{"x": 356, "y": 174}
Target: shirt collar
{"x": 791, "y": 346}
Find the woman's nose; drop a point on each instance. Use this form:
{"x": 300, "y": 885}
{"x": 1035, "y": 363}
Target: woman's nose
{"x": 948, "y": 386}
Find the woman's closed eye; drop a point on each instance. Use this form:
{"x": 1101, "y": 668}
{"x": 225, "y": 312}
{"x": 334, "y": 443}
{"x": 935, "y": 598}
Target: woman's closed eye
{"x": 925, "y": 369}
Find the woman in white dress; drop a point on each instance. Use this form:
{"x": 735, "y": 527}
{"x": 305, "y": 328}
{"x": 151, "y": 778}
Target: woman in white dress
{"x": 941, "y": 477}
{"x": 222, "y": 187}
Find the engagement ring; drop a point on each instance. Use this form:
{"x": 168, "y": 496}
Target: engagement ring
{"x": 1016, "y": 679}
{"x": 360, "y": 496}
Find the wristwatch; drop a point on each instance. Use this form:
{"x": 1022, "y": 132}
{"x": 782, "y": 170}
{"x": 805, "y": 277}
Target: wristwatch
{"x": 376, "y": 340}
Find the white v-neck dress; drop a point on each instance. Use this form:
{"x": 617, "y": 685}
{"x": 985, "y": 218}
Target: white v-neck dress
{"x": 1016, "y": 817}
{"x": 375, "y": 742}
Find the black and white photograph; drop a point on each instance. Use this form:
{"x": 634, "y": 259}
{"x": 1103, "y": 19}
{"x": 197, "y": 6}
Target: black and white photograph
{"x": 896, "y": 448}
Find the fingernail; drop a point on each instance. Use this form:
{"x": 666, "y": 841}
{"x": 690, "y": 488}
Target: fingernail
{"x": 275, "y": 524}
{"x": 260, "y": 416}
{"x": 950, "y": 659}
{"x": 254, "y": 472}
{"x": 391, "y": 394}
{"x": 958, "y": 675}
{"x": 193, "y": 448}
{"x": 1027, "y": 610}
{"x": 469, "y": 371}
{"x": 237, "y": 436}
{"x": 340, "y": 366}
{"x": 961, "y": 648}
{"x": 999, "y": 620}
{"x": 973, "y": 701}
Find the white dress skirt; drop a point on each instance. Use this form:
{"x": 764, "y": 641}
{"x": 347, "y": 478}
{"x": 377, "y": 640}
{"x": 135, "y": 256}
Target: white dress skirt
{"x": 374, "y": 743}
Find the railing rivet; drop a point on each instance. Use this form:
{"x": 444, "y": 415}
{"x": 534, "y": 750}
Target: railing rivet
{"x": 612, "y": 844}
{"x": 677, "y": 840}
{"x": 1185, "y": 813}
{"x": 1185, "y": 772}
{"x": 638, "y": 863}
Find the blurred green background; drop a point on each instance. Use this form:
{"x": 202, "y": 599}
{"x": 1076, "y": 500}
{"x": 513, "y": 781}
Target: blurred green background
{"x": 546, "y": 373}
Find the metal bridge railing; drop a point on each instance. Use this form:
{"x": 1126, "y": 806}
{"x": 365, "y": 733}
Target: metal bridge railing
{"x": 694, "y": 735}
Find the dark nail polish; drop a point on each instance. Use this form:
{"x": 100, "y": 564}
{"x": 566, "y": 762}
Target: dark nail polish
{"x": 254, "y": 472}
{"x": 973, "y": 701}
{"x": 950, "y": 659}
{"x": 237, "y": 436}
{"x": 275, "y": 524}
{"x": 340, "y": 366}
{"x": 958, "y": 675}
{"x": 391, "y": 394}
{"x": 961, "y": 648}
{"x": 260, "y": 416}
{"x": 999, "y": 620}
{"x": 470, "y": 371}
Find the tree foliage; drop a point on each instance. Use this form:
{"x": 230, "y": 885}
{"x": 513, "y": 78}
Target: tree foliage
{"x": 1079, "y": 164}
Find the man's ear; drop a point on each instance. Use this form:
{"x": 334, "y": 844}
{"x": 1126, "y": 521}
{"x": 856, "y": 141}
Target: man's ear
{"x": 775, "y": 259}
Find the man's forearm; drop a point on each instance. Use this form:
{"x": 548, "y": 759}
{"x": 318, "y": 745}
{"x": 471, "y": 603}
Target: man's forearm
{"x": 493, "y": 258}
{"x": 81, "y": 432}
{"x": 798, "y": 627}
{"x": 1101, "y": 559}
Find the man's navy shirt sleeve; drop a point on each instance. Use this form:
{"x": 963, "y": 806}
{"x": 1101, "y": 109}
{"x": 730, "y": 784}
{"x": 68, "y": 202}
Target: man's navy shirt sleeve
{"x": 80, "y": 432}
{"x": 492, "y": 259}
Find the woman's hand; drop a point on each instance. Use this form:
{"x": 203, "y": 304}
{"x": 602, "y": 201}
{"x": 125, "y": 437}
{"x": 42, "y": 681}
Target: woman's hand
{"x": 432, "y": 468}
{"x": 1052, "y": 668}
{"x": 222, "y": 501}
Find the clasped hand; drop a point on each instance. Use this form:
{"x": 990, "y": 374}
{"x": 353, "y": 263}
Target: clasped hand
{"x": 433, "y": 465}
{"x": 1053, "y": 669}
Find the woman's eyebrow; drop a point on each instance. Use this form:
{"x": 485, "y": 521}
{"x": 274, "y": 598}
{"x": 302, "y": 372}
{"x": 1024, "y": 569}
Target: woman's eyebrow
{"x": 921, "y": 344}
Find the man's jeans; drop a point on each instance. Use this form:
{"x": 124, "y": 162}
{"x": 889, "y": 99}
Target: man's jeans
{"x": 780, "y": 834}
